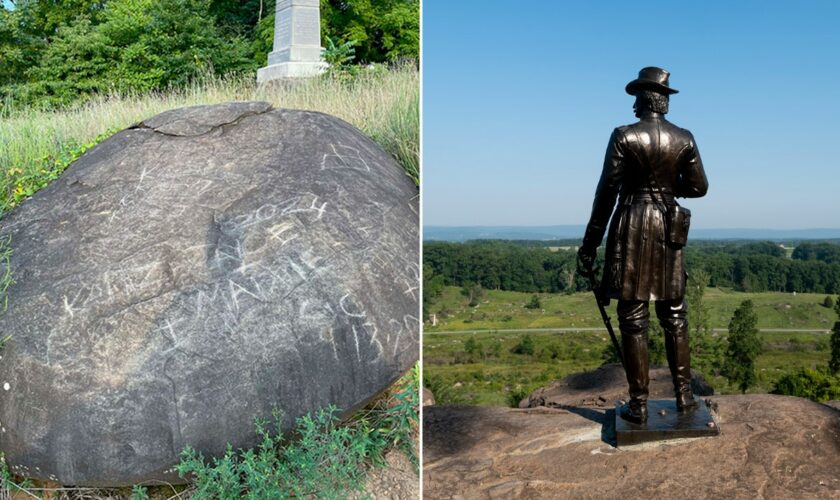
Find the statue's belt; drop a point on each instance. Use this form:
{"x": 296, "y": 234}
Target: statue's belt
{"x": 648, "y": 197}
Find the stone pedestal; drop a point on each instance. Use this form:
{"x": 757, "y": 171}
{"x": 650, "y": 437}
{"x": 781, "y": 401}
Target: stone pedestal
{"x": 297, "y": 42}
{"x": 664, "y": 422}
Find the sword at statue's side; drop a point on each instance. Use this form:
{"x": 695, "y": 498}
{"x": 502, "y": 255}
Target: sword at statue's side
{"x": 589, "y": 272}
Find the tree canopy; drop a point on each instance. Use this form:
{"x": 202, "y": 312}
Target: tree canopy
{"x": 58, "y": 52}
{"x": 541, "y": 267}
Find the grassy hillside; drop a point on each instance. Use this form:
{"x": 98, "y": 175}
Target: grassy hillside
{"x": 506, "y": 310}
{"x": 382, "y": 103}
{"x": 490, "y": 373}
{"x": 502, "y": 378}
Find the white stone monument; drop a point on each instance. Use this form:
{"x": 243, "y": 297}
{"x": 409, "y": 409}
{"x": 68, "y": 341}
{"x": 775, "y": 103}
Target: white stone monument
{"x": 297, "y": 42}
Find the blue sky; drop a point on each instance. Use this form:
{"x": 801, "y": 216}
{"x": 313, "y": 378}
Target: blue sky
{"x": 519, "y": 100}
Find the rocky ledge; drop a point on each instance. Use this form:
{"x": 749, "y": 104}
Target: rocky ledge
{"x": 769, "y": 447}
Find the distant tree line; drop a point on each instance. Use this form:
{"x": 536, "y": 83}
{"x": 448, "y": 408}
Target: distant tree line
{"x": 750, "y": 267}
{"x": 503, "y": 266}
{"x": 59, "y": 52}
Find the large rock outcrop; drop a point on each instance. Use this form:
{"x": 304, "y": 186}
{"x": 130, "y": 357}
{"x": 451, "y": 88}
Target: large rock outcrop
{"x": 769, "y": 447}
{"x": 194, "y": 272}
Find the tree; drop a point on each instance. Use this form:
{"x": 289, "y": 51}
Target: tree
{"x": 128, "y": 45}
{"x": 534, "y": 303}
{"x": 706, "y": 350}
{"x": 432, "y": 288}
{"x": 525, "y": 346}
{"x": 473, "y": 292}
{"x": 834, "y": 362}
{"x": 59, "y": 52}
{"x": 383, "y": 30}
{"x": 828, "y": 302}
{"x": 743, "y": 347}
{"x": 18, "y": 46}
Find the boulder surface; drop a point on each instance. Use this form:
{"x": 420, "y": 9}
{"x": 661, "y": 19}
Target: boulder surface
{"x": 196, "y": 271}
{"x": 769, "y": 447}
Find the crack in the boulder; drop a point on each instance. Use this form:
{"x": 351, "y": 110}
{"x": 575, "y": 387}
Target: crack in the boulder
{"x": 142, "y": 125}
{"x": 166, "y": 375}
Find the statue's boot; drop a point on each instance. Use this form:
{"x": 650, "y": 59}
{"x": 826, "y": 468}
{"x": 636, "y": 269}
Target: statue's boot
{"x": 633, "y": 321}
{"x": 672, "y": 317}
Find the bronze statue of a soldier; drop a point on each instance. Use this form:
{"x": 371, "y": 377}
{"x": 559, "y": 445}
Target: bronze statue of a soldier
{"x": 647, "y": 166}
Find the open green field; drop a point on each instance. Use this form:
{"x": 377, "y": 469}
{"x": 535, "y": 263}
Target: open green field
{"x": 502, "y": 378}
{"x": 494, "y": 375}
{"x": 506, "y": 310}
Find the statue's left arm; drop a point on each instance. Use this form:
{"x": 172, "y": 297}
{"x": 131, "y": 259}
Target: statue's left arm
{"x": 692, "y": 182}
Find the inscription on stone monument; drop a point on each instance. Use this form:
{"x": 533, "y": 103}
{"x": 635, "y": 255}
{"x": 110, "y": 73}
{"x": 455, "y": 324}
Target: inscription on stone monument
{"x": 282, "y": 33}
{"x": 308, "y": 28}
{"x": 297, "y": 42}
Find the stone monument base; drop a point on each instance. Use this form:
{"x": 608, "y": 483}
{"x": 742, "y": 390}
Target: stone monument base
{"x": 664, "y": 422}
{"x": 290, "y": 69}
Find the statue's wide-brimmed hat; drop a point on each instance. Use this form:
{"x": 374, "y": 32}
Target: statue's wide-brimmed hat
{"x": 651, "y": 78}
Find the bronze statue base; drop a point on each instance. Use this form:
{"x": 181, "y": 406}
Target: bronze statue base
{"x": 664, "y": 422}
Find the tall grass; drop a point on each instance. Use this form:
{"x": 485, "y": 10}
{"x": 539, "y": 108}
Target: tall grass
{"x": 383, "y": 103}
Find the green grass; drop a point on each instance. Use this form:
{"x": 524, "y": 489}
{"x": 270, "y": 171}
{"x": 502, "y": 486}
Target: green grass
{"x": 499, "y": 377}
{"x": 506, "y": 310}
{"x": 503, "y": 380}
{"x": 383, "y": 103}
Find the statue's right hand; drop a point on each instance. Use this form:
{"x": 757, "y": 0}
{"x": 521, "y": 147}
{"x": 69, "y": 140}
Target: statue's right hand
{"x": 586, "y": 260}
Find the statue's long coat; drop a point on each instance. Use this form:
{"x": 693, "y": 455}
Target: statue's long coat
{"x": 640, "y": 264}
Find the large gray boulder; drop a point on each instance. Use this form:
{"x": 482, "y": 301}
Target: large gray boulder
{"x": 194, "y": 272}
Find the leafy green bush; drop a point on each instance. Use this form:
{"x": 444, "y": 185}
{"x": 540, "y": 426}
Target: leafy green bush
{"x": 337, "y": 55}
{"x": 816, "y": 385}
{"x": 131, "y": 45}
{"x": 516, "y": 396}
{"x": 525, "y": 346}
{"x": 534, "y": 303}
{"x": 385, "y": 30}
